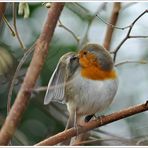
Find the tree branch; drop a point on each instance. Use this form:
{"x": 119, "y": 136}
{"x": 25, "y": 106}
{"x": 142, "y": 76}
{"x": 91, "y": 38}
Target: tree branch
{"x": 94, "y": 124}
{"x": 128, "y": 34}
{"x": 12, "y": 83}
{"x": 22, "y": 99}
{"x": 129, "y": 61}
{"x": 113, "y": 21}
{"x": 8, "y": 25}
{"x": 15, "y": 28}
{"x": 69, "y": 30}
{"x": 2, "y": 10}
{"x": 113, "y": 26}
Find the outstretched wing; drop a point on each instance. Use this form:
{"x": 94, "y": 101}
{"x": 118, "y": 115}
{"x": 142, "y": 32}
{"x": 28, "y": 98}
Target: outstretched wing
{"x": 56, "y": 85}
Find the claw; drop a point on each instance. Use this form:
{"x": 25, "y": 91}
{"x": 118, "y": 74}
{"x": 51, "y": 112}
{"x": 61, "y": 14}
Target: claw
{"x": 100, "y": 118}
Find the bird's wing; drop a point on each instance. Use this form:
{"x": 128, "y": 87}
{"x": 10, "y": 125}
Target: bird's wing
{"x": 56, "y": 85}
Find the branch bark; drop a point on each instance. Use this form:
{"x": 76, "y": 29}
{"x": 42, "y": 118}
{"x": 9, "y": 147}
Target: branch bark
{"x": 2, "y": 10}
{"x": 128, "y": 35}
{"x": 15, "y": 27}
{"x": 94, "y": 124}
{"x": 22, "y": 99}
{"x": 113, "y": 21}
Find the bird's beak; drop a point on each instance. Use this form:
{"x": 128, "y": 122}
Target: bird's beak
{"x": 76, "y": 56}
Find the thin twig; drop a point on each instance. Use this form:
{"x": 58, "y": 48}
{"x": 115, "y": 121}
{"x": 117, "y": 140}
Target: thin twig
{"x": 67, "y": 134}
{"x": 15, "y": 28}
{"x": 39, "y": 89}
{"x": 9, "y": 26}
{"x": 23, "y": 59}
{"x": 128, "y": 61}
{"x": 84, "y": 39}
{"x": 2, "y": 10}
{"x": 40, "y": 53}
{"x": 128, "y": 34}
{"x": 109, "y": 24}
{"x": 69, "y": 30}
{"x": 113, "y": 21}
{"x": 138, "y": 36}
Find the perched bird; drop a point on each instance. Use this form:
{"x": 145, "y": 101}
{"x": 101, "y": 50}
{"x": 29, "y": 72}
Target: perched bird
{"x": 86, "y": 81}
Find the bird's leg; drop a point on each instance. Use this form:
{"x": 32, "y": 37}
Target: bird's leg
{"x": 75, "y": 123}
{"x": 70, "y": 124}
{"x": 75, "y": 119}
{"x": 79, "y": 123}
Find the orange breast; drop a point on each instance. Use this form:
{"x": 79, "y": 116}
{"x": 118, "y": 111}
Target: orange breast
{"x": 95, "y": 73}
{"x": 91, "y": 68}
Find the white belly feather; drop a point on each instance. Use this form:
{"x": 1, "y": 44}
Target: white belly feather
{"x": 92, "y": 95}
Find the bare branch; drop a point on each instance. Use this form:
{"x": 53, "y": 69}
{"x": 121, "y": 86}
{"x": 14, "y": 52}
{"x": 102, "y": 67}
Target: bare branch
{"x": 9, "y": 26}
{"x": 42, "y": 88}
{"x": 127, "y": 62}
{"x": 27, "y": 53}
{"x": 15, "y": 28}
{"x": 128, "y": 34}
{"x": 2, "y": 10}
{"x": 84, "y": 39}
{"x": 111, "y": 25}
{"x": 22, "y": 99}
{"x": 113, "y": 21}
{"x": 70, "y": 31}
{"x": 94, "y": 124}
{"x": 138, "y": 36}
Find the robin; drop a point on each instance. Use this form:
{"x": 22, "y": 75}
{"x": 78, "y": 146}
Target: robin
{"x": 86, "y": 81}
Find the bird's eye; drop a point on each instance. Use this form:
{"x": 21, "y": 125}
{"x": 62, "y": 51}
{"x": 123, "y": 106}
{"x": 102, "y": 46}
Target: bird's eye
{"x": 85, "y": 52}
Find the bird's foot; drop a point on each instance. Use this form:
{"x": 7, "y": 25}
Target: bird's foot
{"x": 77, "y": 126}
{"x": 100, "y": 118}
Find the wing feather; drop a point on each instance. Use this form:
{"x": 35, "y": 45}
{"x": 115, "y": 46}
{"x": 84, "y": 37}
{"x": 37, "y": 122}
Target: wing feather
{"x": 56, "y": 85}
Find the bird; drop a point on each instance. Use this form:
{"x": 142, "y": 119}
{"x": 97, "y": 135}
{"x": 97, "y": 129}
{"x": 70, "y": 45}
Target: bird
{"x": 86, "y": 81}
